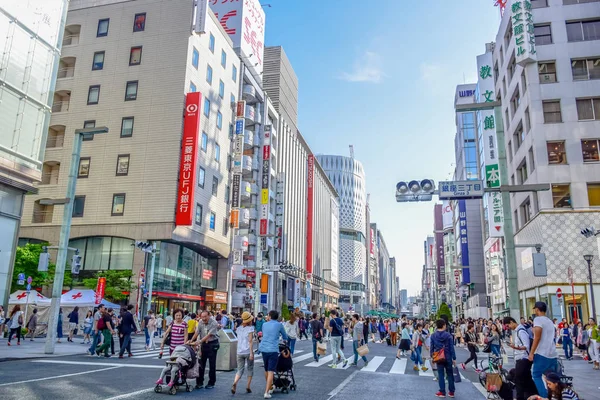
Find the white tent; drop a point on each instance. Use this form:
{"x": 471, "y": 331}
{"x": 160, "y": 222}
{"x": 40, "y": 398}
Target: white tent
{"x": 83, "y": 298}
{"x": 33, "y": 298}
{"x": 28, "y": 302}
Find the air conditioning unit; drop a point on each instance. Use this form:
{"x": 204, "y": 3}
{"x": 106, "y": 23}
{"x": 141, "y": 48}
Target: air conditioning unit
{"x": 547, "y": 78}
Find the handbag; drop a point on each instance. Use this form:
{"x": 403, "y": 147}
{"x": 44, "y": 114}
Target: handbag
{"x": 493, "y": 382}
{"x": 439, "y": 357}
{"x": 457, "y": 377}
{"x": 363, "y": 350}
{"x": 487, "y": 348}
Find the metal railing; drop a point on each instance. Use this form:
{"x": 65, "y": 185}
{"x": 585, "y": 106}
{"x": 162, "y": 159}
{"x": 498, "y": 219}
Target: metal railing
{"x": 55, "y": 141}
{"x": 70, "y": 40}
{"x": 66, "y": 72}
{"x": 42, "y": 217}
{"x": 49, "y": 178}
{"x": 60, "y": 106}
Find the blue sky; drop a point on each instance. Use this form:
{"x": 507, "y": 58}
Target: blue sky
{"x": 380, "y": 75}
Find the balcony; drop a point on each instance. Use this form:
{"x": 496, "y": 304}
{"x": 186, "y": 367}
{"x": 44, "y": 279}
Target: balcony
{"x": 247, "y": 166}
{"x": 42, "y": 214}
{"x": 71, "y": 37}
{"x": 56, "y": 137}
{"x": 50, "y": 173}
{"x": 244, "y": 217}
{"x": 250, "y": 115}
{"x": 66, "y": 68}
{"x": 245, "y": 191}
{"x": 248, "y": 139}
{"x": 62, "y": 100}
{"x": 249, "y": 94}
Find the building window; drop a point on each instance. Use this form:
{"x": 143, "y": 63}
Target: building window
{"x": 221, "y": 89}
{"x": 229, "y": 163}
{"x": 217, "y": 153}
{"x": 219, "y": 120}
{"x": 234, "y": 73}
{"x": 87, "y": 125}
{"x": 225, "y": 226}
{"x": 201, "y": 177}
{"x": 93, "y": 95}
{"x": 192, "y": 87}
{"x": 215, "y": 186}
{"x": 512, "y": 67}
{"x": 543, "y": 34}
{"x": 209, "y": 74}
{"x": 593, "y": 190}
{"x": 206, "y": 107}
{"x": 195, "y": 58}
{"x": 139, "y": 22}
{"x": 556, "y": 152}
{"x": 531, "y": 160}
{"x": 561, "y": 196}
{"x": 213, "y": 218}
{"x": 539, "y": 3}
{"x": 198, "y": 214}
{"x": 135, "y": 55}
{"x": 102, "y": 27}
{"x": 131, "y": 90}
{"x": 518, "y": 137}
{"x": 523, "y": 82}
{"x": 585, "y": 69}
{"x": 569, "y": 2}
{"x": 232, "y": 99}
{"x": 552, "y": 112}
{"x": 526, "y": 211}
{"x": 547, "y": 71}
{"x": 211, "y": 43}
{"x": 204, "y": 142}
{"x": 522, "y": 172}
{"x": 227, "y": 194}
{"x": 588, "y": 109}
{"x": 223, "y": 59}
{"x": 122, "y": 165}
{"x": 118, "y": 204}
{"x": 515, "y": 101}
{"x": 78, "y": 206}
{"x": 589, "y": 150}
{"x": 527, "y": 120}
{"x": 98, "y": 62}
{"x": 127, "y": 127}
{"x": 583, "y": 30}
{"x": 84, "y": 167}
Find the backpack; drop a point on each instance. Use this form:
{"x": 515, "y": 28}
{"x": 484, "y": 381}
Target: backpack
{"x": 529, "y": 330}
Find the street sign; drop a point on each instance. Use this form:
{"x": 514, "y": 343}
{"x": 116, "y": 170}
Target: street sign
{"x": 238, "y": 257}
{"x": 433, "y": 308}
{"x": 492, "y": 175}
{"x": 28, "y": 287}
{"x": 559, "y": 293}
{"x": 263, "y": 299}
{"x": 21, "y": 277}
{"x": 452, "y": 190}
{"x": 29, "y": 279}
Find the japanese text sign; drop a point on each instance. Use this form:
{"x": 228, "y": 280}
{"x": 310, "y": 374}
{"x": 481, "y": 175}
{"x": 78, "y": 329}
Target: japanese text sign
{"x": 463, "y": 232}
{"x": 461, "y": 190}
{"x": 523, "y": 32}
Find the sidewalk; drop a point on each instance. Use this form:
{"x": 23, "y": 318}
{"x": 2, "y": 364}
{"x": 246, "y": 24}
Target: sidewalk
{"x": 35, "y": 349}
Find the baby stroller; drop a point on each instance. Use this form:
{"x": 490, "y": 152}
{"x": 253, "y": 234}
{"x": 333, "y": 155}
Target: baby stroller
{"x": 284, "y": 376}
{"x": 181, "y": 366}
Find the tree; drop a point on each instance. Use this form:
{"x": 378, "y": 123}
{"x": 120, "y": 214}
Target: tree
{"x": 444, "y": 310}
{"x": 26, "y": 262}
{"x": 117, "y": 282}
{"x": 285, "y": 311}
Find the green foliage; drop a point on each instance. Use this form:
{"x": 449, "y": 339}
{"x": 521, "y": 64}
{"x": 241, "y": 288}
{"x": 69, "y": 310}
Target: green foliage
{"x": 444, "y": 310}
{"x": 327, "y": 312}
{"x": 26, "y": 262}
{"x": 285, "y": 311}
{"x": 117, "y": 282}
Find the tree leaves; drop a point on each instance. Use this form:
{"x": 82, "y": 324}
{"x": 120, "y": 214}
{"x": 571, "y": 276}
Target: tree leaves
{"x": 117, "y": 282}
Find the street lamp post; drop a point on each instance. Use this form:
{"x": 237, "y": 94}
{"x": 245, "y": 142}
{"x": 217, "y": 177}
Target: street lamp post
{"x": 65, "y": 231}
{"x": 589, "y": 258}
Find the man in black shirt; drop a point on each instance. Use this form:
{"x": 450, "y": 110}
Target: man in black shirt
{"x": 126, "y": 328}
{"x": 316, "y": 327}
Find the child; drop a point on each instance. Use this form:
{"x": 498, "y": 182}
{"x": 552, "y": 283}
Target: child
{"x": 180, "y": 358}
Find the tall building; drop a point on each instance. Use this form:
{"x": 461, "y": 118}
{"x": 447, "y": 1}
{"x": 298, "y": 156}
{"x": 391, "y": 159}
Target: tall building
{"x": 439, "y": 259}
{"x": 372, "y": 257}
{"x": 33, "y": 34}
{"x": 550, "y": 94}
{"x": 385, "y": 274}
{"x": 348, "y": 177}
{"x": 137, "y": 67}
{"x": 404, "y": 299}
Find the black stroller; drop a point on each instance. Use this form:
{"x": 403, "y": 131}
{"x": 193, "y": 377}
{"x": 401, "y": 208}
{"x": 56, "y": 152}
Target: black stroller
{"x": 284, "y": 376}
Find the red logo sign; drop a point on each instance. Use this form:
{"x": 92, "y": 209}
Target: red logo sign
{"x": 266, "y": 152}
{"x": 100, "y": 287}
{"x": 558, "y": 293}
{"x": 21, "y": 295}
{"x": 263, "y": 227}
{"x": 187, "y": 164}
{"x": 241, "y": 108}
{"x": 79, "y": 295}
{"x": 309, "y": 211}
{"x": 207, "y": 274}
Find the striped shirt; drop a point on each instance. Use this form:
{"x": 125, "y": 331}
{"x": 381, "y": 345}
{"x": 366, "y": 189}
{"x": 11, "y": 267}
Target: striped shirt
{"x": 568, "y": 394}
{"x": 178, "y": 334}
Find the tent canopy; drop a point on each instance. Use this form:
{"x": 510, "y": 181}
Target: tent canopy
{"x": 34, "y": 298}
{"x": 83, "y": 298}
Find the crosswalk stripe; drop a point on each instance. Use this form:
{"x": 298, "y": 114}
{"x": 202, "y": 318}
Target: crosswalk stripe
{"x": 258, "y": 359}
{"x": 322, "y": 361}
{"x": 147, "y": 355}
{"x": 399, "y": 366}
{"x": 429, "y": 372}
{"x": 341, "y": 365}
{"x": 374, "y": 363}
{"x": 302, "y": 357}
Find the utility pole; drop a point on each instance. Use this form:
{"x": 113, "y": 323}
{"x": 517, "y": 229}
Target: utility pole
{"x": 151, "y": 276}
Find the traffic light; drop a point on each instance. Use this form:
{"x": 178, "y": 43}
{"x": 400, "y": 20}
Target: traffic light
{"x": 146, "y": 247}
{"x": 75, "y": 263}
{"x": 415, "y": 190}
{"x": 589, "y": 232}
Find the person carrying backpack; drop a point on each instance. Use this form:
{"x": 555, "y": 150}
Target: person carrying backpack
{"x": 316, "y": 326}
{"x": 521, "y": 344}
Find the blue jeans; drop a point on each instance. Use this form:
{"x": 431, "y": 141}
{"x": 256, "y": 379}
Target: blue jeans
{"x": 292, "y": 344}
{"x": 126, "y": 344}
{"x": 355, "y": 346}
{"x": 542, "y": 364}
{"x": 147, "y": 337}
{"x": 568, "y": 347}
{"x": 315, "y": 355}
{"x": 444, "y": 369}
{"x": 495, "y": 349}
{"x": 418, "y": 359}
{"x": 95, "y": 341}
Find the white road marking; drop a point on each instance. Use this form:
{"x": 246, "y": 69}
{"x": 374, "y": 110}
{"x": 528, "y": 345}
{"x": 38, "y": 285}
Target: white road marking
{"x": 99, "y": 364}
{"x": 127, "y": 395}
{"x": 399, "y": 366}
{"x": 374, "y": 363}
{"x": 341, "y": 385}
{"x": 302, "y": 357}
{"x": 147, "y": 355}
{"x": 322, "y": 360}
{"x": 259, "y": 360}
{"x": 429, "y": 372}
{"x": 60, "y": 376}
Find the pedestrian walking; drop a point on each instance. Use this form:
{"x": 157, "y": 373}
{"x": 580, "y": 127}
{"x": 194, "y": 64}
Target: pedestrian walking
{"x": 106, "y": 328}
{"x": 126, "y": 328}
{"x": 405, "y": 341}
{"x": 494, "y": 340}
{"x": 59, "y": 326}
{"x": 207, "y": 337}
{"x": 191, "y": 325}
{"x": 393, "y": 327}
{"x": 316, "y": 327}
{"x": 358, "y": 337}
{"x": 543, "y": 350}
{"x": 97, "y": 333}
{"x": 152, "y": 331}
{"x": 176, "y": 332}
{"x": 269, "y": 347}
{"x": 471, "y": 341}
{"x": 32, "y": 324}
{"x": 417, "y": 348}
{"x": 567, "y": 341}
{"x": 15, "y": 324}
{"x": 73, "y": 323}
{"x": 159, "y": 324}
{"x": 303, "y": 325}
{"x": 245, "y": 351}
{"x": 2, "y": 319}
{"x": 147, "y": 318}
{"x": 521, "y": 345}
{"x": 291, "y": 329}
{"x": 88, "y": 323}
{"x": 442, "y": 351}
{"x": 337, "y": 332}
{"x": 594, "y": 343}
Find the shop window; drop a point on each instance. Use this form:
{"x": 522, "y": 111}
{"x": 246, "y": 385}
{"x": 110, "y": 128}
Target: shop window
{"x": 593, "y": 190}
{"x": 561, "y": 196}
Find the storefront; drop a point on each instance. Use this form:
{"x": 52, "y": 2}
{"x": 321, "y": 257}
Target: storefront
{"x": 573, "y": 301}
{"x": 215, "y": 301}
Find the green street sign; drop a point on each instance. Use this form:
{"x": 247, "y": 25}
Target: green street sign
{"x": 492, "y": 176}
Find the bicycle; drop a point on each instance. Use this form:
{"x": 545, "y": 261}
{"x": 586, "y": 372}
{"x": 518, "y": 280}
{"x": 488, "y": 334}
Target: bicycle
{"x": 494, "y": 367}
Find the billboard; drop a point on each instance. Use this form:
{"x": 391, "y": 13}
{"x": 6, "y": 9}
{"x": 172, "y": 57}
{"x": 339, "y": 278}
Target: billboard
{"x": 244, "y": 22}
{"x": 447, "y": 215}
{"x": 187, "y": 163}
{"x": 309, "y": 213}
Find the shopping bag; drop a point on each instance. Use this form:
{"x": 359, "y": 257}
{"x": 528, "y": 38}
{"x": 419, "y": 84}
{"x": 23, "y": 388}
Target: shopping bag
{"x": 363, "y": 350}
{"x": 456, "y": 374}
{"x": 493, "y": 382}
{"x": 504, "y": 359}
{"x": 321, "y": 349}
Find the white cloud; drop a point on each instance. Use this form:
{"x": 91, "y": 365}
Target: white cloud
{"x": 367, "y": 68}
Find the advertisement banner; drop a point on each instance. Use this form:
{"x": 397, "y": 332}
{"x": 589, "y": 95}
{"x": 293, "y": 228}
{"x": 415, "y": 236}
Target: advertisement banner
{"x": 236, "y": 182}
{"x": 239, "y": 110}
{"x": 100, "y": 288}
{"x": 440, "y": 262}
{"x": 201, "y": 16}
{"x": 309, "y": 214}
{"x": 463, "y": 232}
{"x": 372, "y": 246}
{"x": 447, "y": 215}
{"x": 187, "y": 165}
{"x": 234, "y": 219}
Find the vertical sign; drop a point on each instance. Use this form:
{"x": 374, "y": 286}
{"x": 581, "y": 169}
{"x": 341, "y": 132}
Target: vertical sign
{"x": 487, "y": 127}
{"x": 201, "y": 16}
{"x": 266, "y": 174}
{"x": 100, "y": 288}
{"x": 523, "y": 32}
{"x": 372, "y": 245}
{"x": 279, "y": 211}
{"x": 309, "y": 213}
{"x": 235, "y": 190}
{"x": 464, "y": 240}
{"x": 240, "y": 110}
{"x": 335, "y": 240}
{"x": 187, "y": 163}
{"x": 447, "y": 215}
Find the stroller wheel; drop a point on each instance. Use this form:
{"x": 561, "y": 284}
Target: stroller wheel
{"x": 293, "y": 387}
{"x": 284, "y": 390}
{"x": 158, "y": 389}
{"x": 173, "y": 390}
{"x": 188, "y": 388}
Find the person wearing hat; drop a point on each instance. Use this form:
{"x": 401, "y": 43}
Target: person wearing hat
{"x": 245, "y": 353}
{"x": 543, "y": 349}
{"x": 557, "y": 389}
